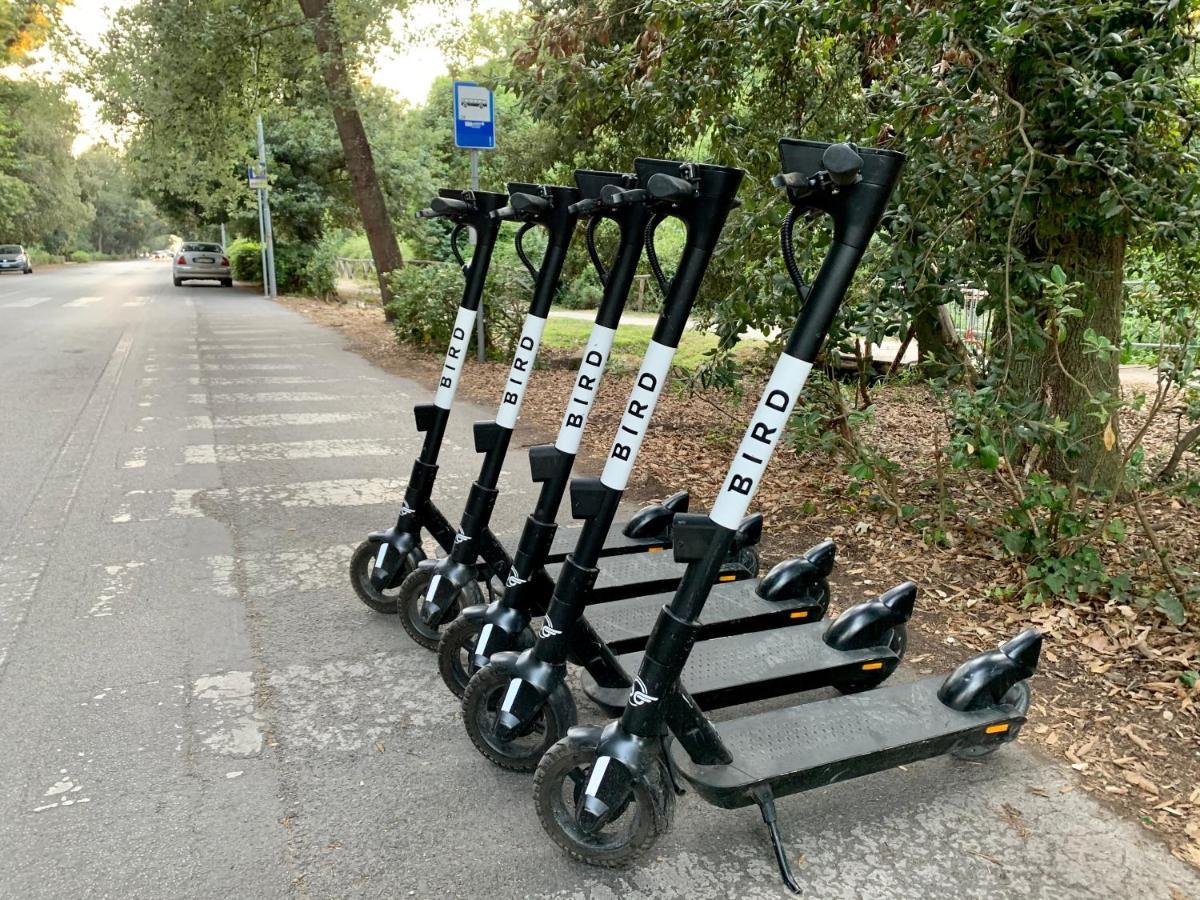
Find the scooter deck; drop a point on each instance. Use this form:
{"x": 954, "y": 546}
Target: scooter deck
{"x": 617, "y": 544}
{"x": 639, "y": 574}
{"x": 742, "y": 668}
{"x": 816, "y": 744}
{"x": 732, "y": 608}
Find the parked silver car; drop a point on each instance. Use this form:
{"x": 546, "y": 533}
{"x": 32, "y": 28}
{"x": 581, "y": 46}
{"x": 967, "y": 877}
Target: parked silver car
{"x": 198, "y": 261}
{"x": 13, "y": 258}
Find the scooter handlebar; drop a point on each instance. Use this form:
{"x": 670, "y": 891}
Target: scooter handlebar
{"x": 611, "y": 195}
{"x": 667, "y": 187}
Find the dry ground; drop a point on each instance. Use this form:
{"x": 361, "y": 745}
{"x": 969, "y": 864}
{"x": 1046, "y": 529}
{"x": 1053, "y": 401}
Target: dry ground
{"x": 1109, "y": 697}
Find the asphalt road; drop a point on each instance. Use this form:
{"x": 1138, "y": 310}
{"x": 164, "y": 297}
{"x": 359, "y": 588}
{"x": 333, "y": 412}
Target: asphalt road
{"x": 193, "y": 704}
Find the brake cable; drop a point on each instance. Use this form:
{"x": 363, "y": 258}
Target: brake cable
{"x": 521, "y": 232}
{"x": 789, "y": 252}
{"x": 459, "y": 228}
{"x": 664, "y": 283}
{"x": 590, "y": 235}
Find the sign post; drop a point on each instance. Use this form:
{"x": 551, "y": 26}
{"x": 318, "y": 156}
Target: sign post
{"x": 475, "y": 130}
{"x": 256, "y": 176}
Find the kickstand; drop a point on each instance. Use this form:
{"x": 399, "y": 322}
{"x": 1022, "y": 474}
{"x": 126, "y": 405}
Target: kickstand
{"x": 766, "y": 804}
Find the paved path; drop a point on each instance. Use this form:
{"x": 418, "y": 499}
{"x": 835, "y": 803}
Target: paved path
{"x": 194, "y": 706}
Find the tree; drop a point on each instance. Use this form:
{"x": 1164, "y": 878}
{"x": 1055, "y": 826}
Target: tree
{"x": 355, "y": 146}
{"x": 122, "y": 222}
{"x": 36, "y": 133}
{"x": 24, "y": 25}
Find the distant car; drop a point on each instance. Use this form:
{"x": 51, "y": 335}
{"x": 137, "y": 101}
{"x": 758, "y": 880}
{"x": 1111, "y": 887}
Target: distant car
{"x": 13, "y": 258}
{"x": 202, "y": 262}
{"x": 161, "y": 254}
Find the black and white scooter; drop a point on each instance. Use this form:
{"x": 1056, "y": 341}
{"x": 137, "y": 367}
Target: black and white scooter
{"x": 380, "y": 565}
{"x": 606, "y": 794}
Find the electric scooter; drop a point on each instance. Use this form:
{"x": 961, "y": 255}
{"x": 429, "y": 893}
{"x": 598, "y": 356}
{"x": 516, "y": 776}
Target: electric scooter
{"x": 432, "y": 594}
{"x": 605, "y": 795}
{"x": 512, "y": 707}
{"x": 385, "y": 559}
{"x": 481, "y": 630}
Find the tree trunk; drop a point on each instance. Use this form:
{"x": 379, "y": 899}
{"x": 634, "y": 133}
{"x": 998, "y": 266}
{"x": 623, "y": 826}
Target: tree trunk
{"x": 938, "y": 345}
{"x": 1071, "y": 376}
{"x": 359, "y": 161}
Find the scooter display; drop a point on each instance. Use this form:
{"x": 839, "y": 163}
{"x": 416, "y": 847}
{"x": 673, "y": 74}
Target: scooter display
{"x": 605, "y": 795}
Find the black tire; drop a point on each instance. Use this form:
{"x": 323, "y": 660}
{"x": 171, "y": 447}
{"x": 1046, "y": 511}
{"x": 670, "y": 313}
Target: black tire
{"x": 408, "y": 605}
{"x": 897, "y": 639}
{"x": 178, "y": 282}
{"x": 562, "y": 774}
{"x": 362, "y": 564}
{"x": 482, "y": 698}
{"x": 1019, "y": 696}
{"x": 226, "y": 282}
{"x": 455, "y": 650}
{"x": 29, "y": 271}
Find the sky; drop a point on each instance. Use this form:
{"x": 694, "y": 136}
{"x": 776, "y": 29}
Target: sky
{"x": 408, "y": 71}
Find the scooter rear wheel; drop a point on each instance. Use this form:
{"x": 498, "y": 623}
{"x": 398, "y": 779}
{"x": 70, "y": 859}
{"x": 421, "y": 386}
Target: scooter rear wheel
{"x": 408, "y": 605}
{"x": 897, "y": 639}
{"x": 481, "y": 704}
{"x": 362, "y": 564}
{"x": 561, "y": 777}
{"x": 456, "y": 650}
{"x": 1019, "y": 696}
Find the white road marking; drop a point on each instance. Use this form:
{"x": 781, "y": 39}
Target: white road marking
{"x": 138, "y": 301}
{"x": 272, "y": 420}
{"x": 117, "y": 583}
{"x": 230, "y": 697}
{"x": 274, "y": 379}
{"x": 283, "y": 572}
{"x": 83, "y": 301}
{"x": 63, "y": 791}
{"x": 24, "y": 303}
{"x": 137, "y": 459}
{"x": 202, "y": 454}
{"x": 216, "y": 367}
{"x": 266, "y": 397}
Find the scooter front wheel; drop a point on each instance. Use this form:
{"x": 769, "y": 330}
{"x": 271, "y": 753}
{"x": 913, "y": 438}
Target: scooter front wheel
{"x": 561, "y": 778}
{"x": 456, "y": 652}
{"x": 412, "y": 594}
{"x": 481, "y": 706}
{"x": 362, "y": 564}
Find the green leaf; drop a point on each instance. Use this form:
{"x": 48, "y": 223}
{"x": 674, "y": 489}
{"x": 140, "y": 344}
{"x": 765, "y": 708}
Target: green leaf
{"x": 1057, "y": 275}
{"x": 1170, "y": 606}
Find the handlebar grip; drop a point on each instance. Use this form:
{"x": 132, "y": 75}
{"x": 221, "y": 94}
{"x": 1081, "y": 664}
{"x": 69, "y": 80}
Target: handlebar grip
{"x": 445, "y": 206}
{"x": 843, "y": 164}
{"x": 667, "y": 187}
{"x": 611, "y": 195}
{"x": 427, "y": 214}
{"x": 528, "y": 203}
{"x": 584, "y": 207}
{"x": 504, "y": 212}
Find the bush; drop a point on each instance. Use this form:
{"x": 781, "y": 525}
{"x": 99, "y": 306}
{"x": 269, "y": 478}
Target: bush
{"x": 582, "y": 293}
{"x": 79, "y": 256}
{"x": 245, "y": 258}
{"x": 320, "y": 273}
{"x": 40, "y": 257}
{"x": 425, "y": 304}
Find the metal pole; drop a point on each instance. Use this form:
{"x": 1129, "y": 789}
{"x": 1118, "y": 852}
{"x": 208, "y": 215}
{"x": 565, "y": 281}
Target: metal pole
{"x": 480, "y": 349}
{"x": 262, "y": 246}
{"x": 269, "y": 238}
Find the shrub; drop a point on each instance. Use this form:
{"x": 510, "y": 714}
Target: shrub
{"x": 320, "y": 273}
{"x": 582, "y": 293}
{"x": 40, "y": 257}
{"x": 79, "y": 256}
{"x": 245, "y": 258}
{"x": 425, "y": 304}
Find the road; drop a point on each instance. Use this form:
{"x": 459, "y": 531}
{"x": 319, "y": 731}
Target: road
{"x": 194, "y": 704}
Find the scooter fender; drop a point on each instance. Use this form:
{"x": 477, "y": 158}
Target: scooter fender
{"x": 654, "y": 522}
{"x": 449, "y": 580}
{"x": 585, "y": 738}
{"x": 500, "y": 627}
{"x": 390, "y": 564}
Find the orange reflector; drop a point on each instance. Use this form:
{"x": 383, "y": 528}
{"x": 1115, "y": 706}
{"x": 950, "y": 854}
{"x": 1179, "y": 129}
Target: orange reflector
{"x": 871, "y": 667}
{"x": 654, "y": 550}
{"x": 727, "y": 578}
{"x": 799, "y": 614}
{"x": 996, "y": 729}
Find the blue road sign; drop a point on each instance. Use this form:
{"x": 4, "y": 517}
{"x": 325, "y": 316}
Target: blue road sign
{"x": 474, "y": 117}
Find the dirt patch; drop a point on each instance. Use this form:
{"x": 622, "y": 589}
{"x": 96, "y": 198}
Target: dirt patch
{"x": 1110, "y": 697}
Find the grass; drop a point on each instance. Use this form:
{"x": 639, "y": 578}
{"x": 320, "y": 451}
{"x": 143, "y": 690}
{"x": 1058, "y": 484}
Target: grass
{"x": 631, "y": 340}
